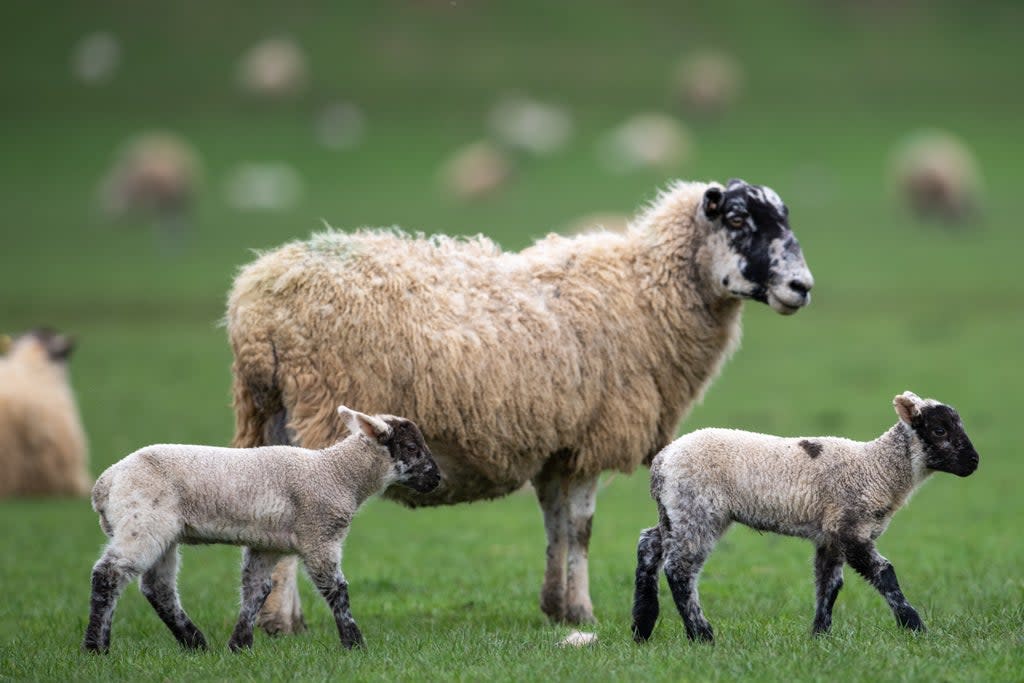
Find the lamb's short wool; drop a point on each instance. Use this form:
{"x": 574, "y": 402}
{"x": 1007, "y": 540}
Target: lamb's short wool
{"x": 276, "y": 501}
{"x": 573, "y": 356}
{"x": 43, "y": 447}
{"x": 839, "y": 494}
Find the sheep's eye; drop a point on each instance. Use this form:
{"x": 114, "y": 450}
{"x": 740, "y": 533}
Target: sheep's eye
{"x": 737, "y": 220}
{"x": 939, "y": 431}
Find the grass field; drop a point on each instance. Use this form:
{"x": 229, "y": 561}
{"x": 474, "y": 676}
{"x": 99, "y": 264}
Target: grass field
{"x": 451, "y": 594}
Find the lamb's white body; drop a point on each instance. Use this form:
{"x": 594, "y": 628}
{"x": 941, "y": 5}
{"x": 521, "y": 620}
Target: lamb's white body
{"x": 276, "y": 501}
{"x": 838, "y": 493}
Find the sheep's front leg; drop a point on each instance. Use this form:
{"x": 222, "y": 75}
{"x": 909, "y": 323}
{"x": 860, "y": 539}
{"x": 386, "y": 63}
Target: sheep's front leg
{"x": 324, "y": 569}
{"x": 879, "y": 572}
{"x": 257, "y": 571}
{"x": 582, "y": 499}
{"x": 553, "y": 503}
{"x": 828, "y": 579}
{"x": 159, "y": 586}
{"x": 282, "y": 611}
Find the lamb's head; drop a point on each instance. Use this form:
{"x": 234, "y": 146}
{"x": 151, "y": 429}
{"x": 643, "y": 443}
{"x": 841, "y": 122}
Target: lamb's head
{"x": 413, "y": 463}
{"x": 754, "y": 253}
{"x": 946, "y": 446}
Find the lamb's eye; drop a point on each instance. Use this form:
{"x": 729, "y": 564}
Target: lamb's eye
{"x": 737, "y": 220}
{"x": 939, "y": 431}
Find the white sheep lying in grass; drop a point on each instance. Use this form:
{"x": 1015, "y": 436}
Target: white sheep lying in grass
{"x": 839, "y": 494}
{"x": 277, "y": 500}
{"x": 43, "y": 447}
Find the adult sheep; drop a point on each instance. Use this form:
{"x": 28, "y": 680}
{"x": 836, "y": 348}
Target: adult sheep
{"x": 574, "y": 356}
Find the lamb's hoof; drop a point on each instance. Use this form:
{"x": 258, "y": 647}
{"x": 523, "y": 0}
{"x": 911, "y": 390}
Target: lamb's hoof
{"x": 239, "y": 644}
{"x": 701, "y": 633}
{"x": 95, "y": 648}
{"x": 912, "y": 621}
{"x": 194, "y": 640}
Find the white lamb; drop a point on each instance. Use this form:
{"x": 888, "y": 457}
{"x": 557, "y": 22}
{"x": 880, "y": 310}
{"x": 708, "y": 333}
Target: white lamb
{"x": 839, "y": 494}
{"x": 276, "y": 501}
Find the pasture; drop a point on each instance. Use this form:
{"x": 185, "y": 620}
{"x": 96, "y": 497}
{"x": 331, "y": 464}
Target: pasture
{"x": 451, "y": 594}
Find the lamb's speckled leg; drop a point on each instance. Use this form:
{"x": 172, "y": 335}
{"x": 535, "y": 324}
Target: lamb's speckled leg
{"x": 582, "y": 498}
{"x": 324, "y": 568}
{"x": 551, "y": 495}
{"x": 257, "y": 568}
{"x": 867, "y": 562}
{"x": 282, "y": 611}
{"x": 828, "y": 579}
{"x": 159, "y": 586}
{"x": 645, "y": 594}
{"x": 109, "y": 577}
{"x": 689, "y": 533}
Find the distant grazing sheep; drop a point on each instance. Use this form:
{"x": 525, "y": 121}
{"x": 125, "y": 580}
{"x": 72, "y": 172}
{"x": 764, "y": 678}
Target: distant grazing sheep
{"x": 42, "y": 444}
{"x": 157, "y": 176}
{"x": 839, "y": 494}
{"x": 707, "y": 84}
{"x": 476, "y": 171}
{"x": 937, "y": 176}
{"x": 646, "y": 141}
{"x": 275, "y": 501}
{"x": 551, "y": 365}
{"x": 275, "y": 68}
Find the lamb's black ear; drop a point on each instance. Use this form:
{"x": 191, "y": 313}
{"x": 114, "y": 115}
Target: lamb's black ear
{"x": 360, "y": 423}
{"x": 60, "y": 346}
{"x": 712, "y": 203}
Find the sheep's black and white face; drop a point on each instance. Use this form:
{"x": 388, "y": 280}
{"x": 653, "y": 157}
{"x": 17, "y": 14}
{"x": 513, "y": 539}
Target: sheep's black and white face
{"x": 413, "y": 460}
{"x": 756, "y": 256}
{"x": 946, "y": 445}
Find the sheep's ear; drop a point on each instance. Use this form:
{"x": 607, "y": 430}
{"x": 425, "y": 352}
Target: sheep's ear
{"x": 907, "y": 405}
{"x": 712, "y": 202}
{"x": 60, "y": 346}
{"x": 360, "y": 423}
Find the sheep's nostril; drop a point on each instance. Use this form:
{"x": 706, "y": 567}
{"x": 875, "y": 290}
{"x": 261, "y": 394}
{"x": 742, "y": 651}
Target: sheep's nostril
{"x": 799, "y": 287}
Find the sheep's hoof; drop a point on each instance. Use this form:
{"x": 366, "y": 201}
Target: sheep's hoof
{"x": 580, "y": 614}
{"x": 554, "y": 608}
{"x": 276, "y": 625}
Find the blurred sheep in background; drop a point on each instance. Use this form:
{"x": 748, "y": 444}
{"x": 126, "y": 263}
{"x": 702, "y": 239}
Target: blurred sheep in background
{"x": 521, "y": 123}
{"x": 646, "y": 141}
{"x": 707, "y": 84}
{"x": 156, "y": 175}
{"x": 275, "y": 68}
{"x": 42, "y": 444}
{"x": 475, "y": 171}
{"x": 95, "y": 58}
{"x": 937, "y": 176}
{"x": 339, "y": 126}
{"x": 263, "y": 186}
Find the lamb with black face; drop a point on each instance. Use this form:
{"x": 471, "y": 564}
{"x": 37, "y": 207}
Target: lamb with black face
{"x": 759, "y": 257}
{"x": 413, "y": 460}
{"x": 946, "y": 445}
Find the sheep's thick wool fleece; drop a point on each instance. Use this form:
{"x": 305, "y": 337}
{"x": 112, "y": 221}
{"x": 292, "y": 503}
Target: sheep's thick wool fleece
{"x": 42, "y": 444}
{"x": 594, "y": 346}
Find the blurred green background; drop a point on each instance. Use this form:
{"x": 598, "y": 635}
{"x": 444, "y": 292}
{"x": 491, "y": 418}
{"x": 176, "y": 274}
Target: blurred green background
{"x": 828, "y": 91}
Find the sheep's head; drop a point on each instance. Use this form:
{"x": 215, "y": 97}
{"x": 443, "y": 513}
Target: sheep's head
{"x": 41, "y": 345}
{"x": 412, "y": 460}
{"x": 947, "y": 448}
{"x": 755, "y": 254}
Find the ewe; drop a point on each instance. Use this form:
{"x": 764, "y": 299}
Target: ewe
{"x": 42, "y": 444}
{"x": 839, "y": 494}
{"x": 276, "y": 501}
{"x": 575, "y": 356}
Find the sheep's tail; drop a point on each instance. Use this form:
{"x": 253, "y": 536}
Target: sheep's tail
{"x": 260, "y": 416}
{"x": 645, "y": 597}
{"x": 100, "y": 495}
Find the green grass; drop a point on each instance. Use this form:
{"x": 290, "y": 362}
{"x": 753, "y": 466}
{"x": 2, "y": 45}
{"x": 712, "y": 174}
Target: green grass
{"x": 452, "y": 593}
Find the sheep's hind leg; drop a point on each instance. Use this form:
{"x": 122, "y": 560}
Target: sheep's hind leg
{"x": 645, "y": 596}
{"x": 879, "y": 572}
{"x": 582, "y": 499}
{"x": 109, "y": 577}
{"x": 324, "y": 569}
{"x": 689, "y": 534}
{"x": 828, "y": 579}
{"x": 553, "y": 503}
{"x": 257, "y": 570}
{"x": 159, "y": 586}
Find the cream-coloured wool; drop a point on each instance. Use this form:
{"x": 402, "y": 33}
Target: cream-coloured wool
{"x": 574, "y": 356}
{"x": 837, "y": 493}
{"x": 276, "y": 501}
{"x": 43, "y": 448}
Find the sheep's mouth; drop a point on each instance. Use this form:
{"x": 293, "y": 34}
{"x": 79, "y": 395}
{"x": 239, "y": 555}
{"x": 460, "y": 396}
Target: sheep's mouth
{"x": 788, "y": 305}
